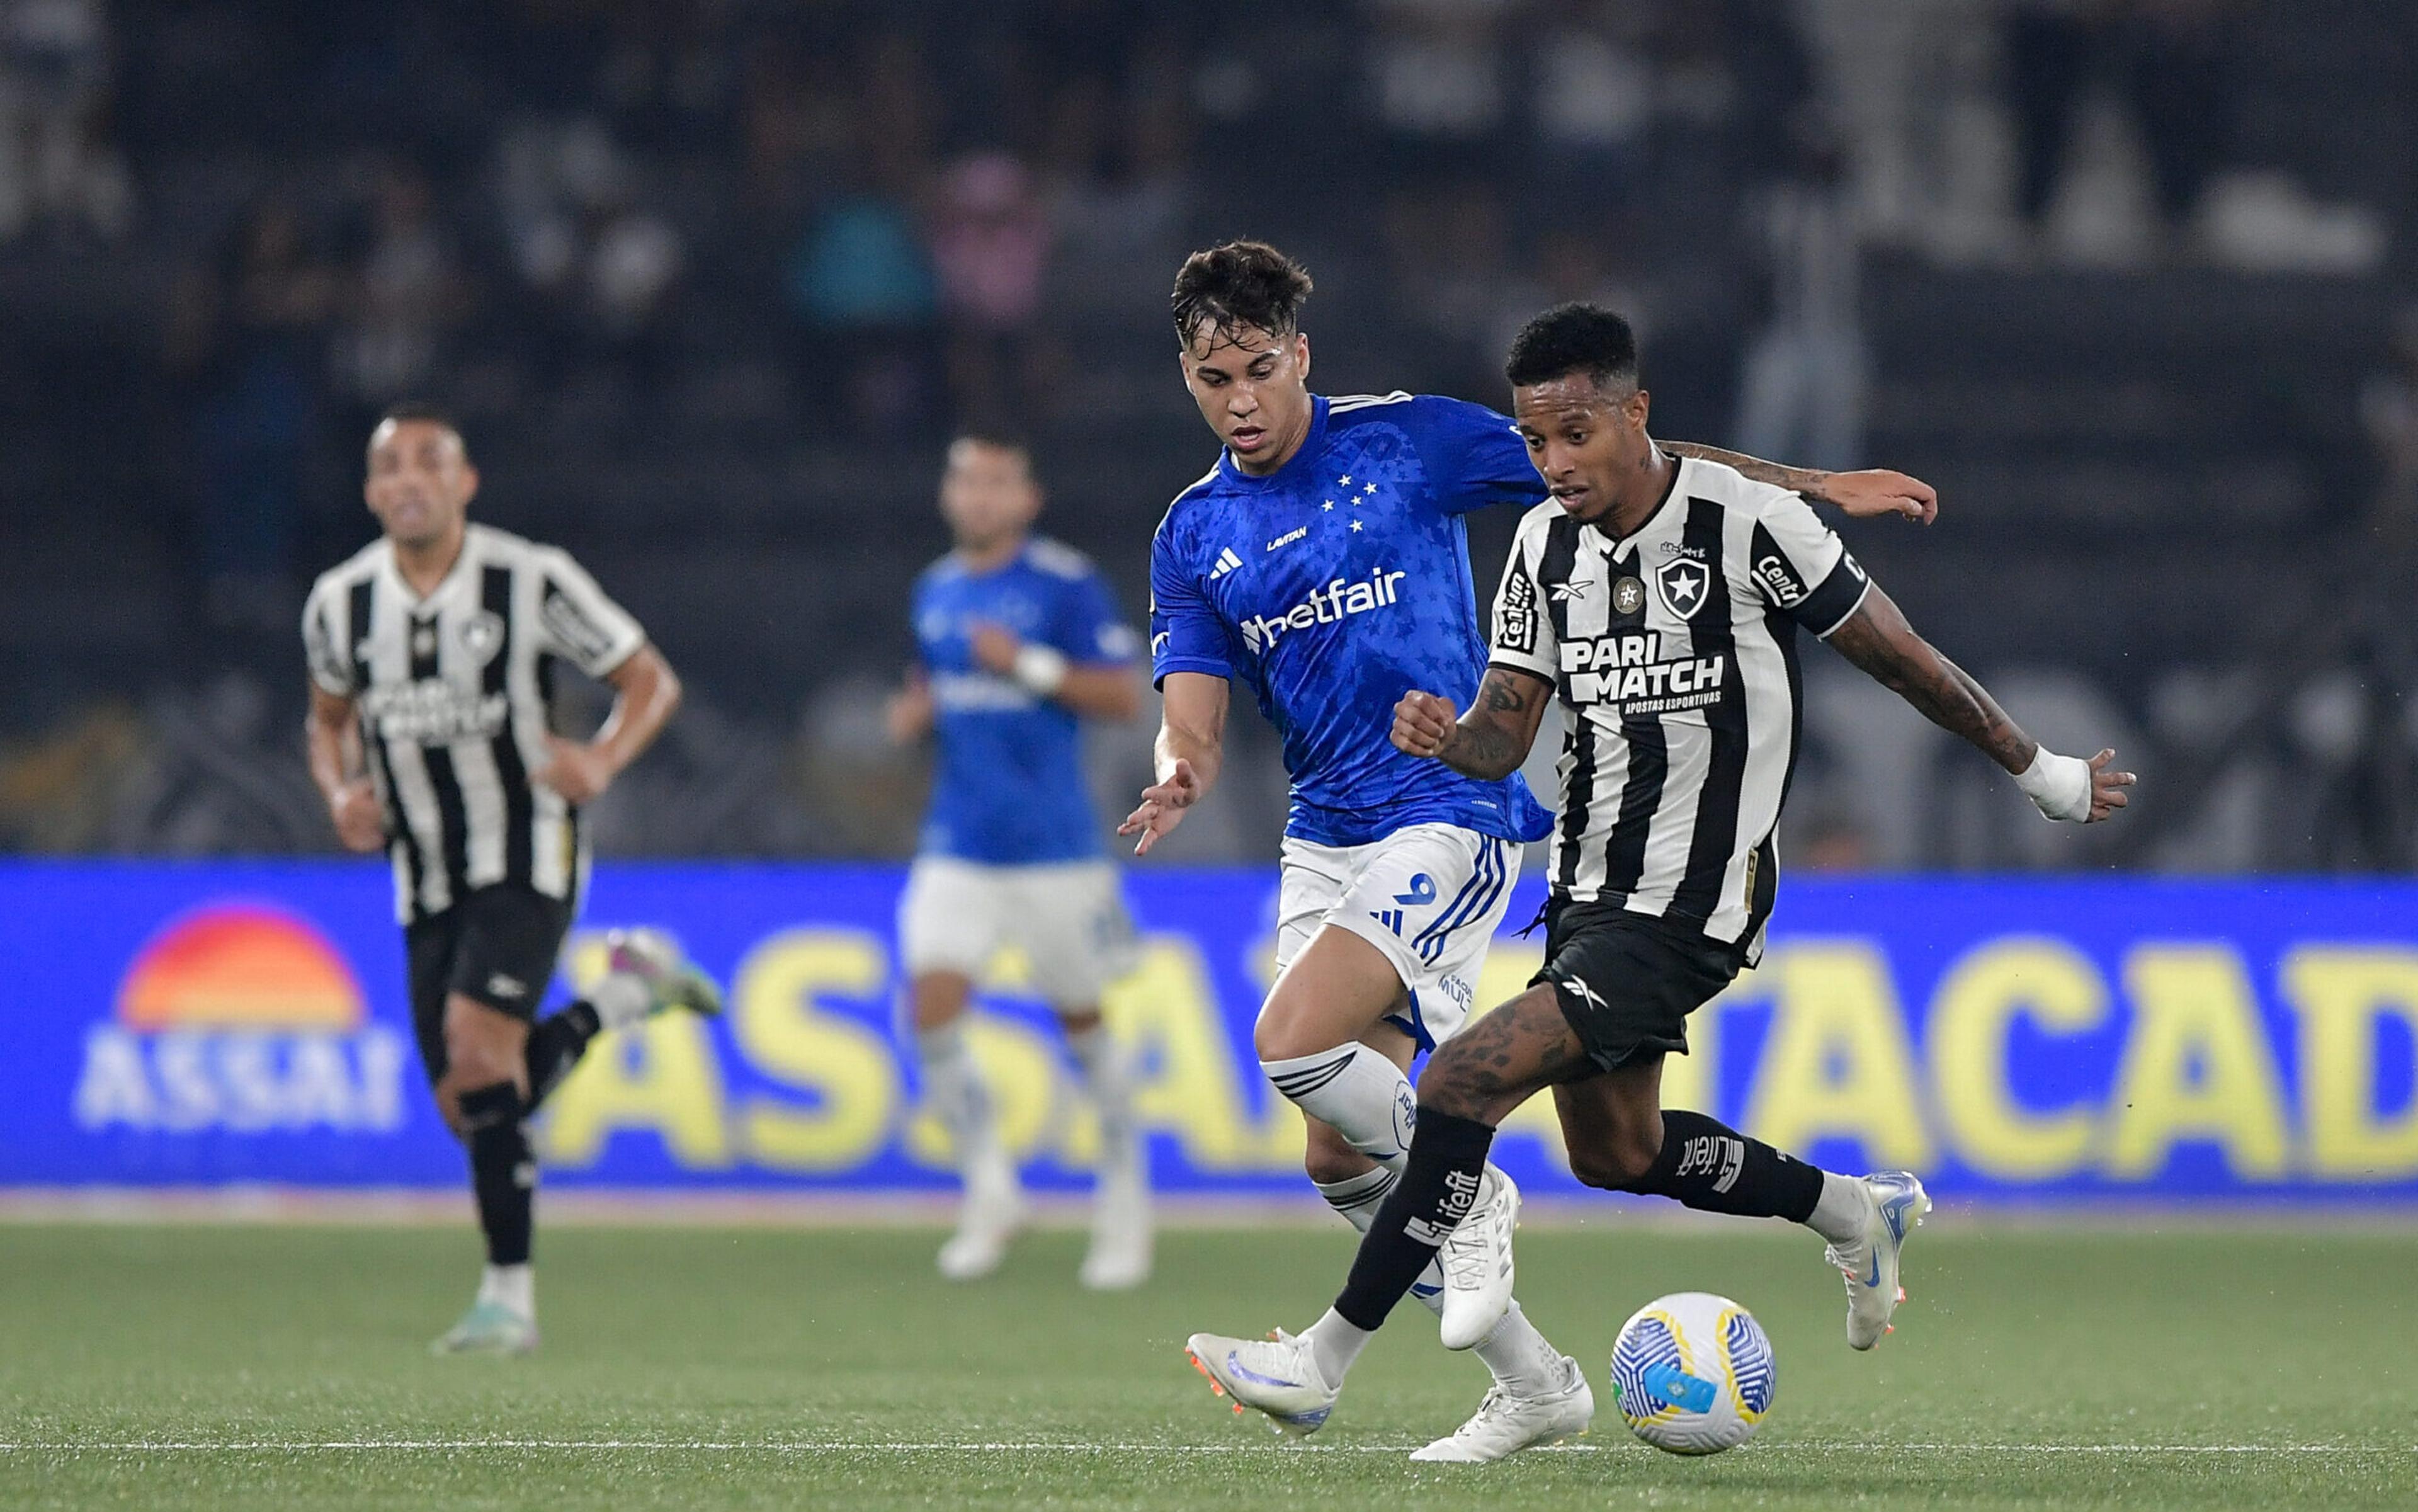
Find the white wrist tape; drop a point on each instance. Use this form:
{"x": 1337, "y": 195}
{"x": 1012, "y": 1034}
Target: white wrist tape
{"x": 1041, "y": 668}
{"x": 2058, "y": 786}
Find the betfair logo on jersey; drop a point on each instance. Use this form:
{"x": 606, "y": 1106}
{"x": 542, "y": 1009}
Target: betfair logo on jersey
{"x": 1338, "y": 600}
{"x": 1629, "y": 670}
{"x": 433, "y": 712}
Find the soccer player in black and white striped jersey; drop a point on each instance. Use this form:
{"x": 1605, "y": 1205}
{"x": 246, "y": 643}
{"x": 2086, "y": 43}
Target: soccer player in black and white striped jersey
{"x": 432, "y": 656}
{"x": 1660, "y": 598}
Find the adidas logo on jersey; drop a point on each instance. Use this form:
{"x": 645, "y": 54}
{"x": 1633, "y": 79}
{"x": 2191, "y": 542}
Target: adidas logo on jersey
{"x": 1227, "y": 562}
{"x": 1338, "y": 600}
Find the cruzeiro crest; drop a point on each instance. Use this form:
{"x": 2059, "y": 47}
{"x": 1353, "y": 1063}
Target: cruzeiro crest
{"x": 1686, "y": 584}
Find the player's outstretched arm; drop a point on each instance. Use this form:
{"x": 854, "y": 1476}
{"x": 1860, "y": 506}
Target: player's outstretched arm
{"x": 1877, "y": 638}
{"x": 1861, "y": 494}
{"x": 646, "y": 691}
{"x": 1491, "y": 740}
{"x": 1190, "y": 750}
{"x": 334, "y": 740}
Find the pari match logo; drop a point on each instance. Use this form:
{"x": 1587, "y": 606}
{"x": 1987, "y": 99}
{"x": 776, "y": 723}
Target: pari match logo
{"x": 241, "y": 1018}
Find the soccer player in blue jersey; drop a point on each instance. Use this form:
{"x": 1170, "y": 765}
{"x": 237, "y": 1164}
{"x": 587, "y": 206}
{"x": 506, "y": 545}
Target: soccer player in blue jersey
{"x": 1324, "y": 562}
{"x": 1017, "y": 641}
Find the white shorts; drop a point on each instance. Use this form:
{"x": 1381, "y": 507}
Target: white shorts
{"x": 1069, "y": 917}
{"x": 1429, "y": 896}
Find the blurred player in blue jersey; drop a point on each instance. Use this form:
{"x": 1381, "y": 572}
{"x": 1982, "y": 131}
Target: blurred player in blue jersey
{"x": 1324, "y": 563}
{"x": 1017, "y": 641}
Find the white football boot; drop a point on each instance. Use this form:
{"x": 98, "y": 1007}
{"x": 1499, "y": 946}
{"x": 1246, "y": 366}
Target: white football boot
{"x": 1276, "y": 1375}
{"x": 1119, "y": 1259}
{"x": 655, "y": 960}
{"x": 1477, "y": 1260}
{"x": 993, "y": 1214}
{"x": 1505, "y": 1424}
{"x": 1871, "y": 1264}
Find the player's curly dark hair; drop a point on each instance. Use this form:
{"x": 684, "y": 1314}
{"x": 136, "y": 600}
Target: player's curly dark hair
{"x": 1239, "y": 283}
{"x": 1574, "y": 338}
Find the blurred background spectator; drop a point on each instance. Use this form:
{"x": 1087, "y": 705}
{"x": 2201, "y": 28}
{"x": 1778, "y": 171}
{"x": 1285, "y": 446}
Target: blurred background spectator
{"x": 710, "y": 281}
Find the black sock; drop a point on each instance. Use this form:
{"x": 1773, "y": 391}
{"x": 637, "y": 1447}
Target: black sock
{"x": 1705, "y": 1164}
{"x": 1448, "y": 1165}
{"x": 555, "y": 1043}
{"x": 504, "y": 1173}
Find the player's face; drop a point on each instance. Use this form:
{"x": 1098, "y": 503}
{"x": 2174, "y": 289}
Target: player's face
{"x": 420, "y": 482}
{"x": 1588, "y": 443}
{"x": 1253, "y": 389}
{"x": 988, "y": 494}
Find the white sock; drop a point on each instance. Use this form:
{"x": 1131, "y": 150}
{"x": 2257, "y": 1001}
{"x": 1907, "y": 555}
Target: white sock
{"x": 1359, "y": 1093}
{"x": 1358, "y": 1197}
{"x": 1840, "y": 1212}
{"x": 1107, "y": 1076}
{"x": 621, "y": 999}
{"x": 1335, "y": 1344}
{"x": 510, "y": 1287}
{"x": 1524, "y": 1362}
{"x": 953, "y": 1086}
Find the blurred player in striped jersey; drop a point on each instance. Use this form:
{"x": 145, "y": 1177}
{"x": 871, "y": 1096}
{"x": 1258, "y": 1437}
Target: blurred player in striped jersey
{"x": 432, "y": 656}
{"x": 1017, "y": 641}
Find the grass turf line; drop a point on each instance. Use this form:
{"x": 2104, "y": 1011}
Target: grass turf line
{"x": 741, "y": 1369}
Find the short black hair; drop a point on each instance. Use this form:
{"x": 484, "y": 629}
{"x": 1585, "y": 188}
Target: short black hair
{"x": 415, "y": 410}
{"x": 1574, "y": 338}
{"x": 996, "y": 438}
{"x": 1239, "y": 283}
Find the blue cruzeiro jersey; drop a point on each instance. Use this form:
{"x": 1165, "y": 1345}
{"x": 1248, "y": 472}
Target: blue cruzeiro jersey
{"x": 1008, "y": 789}
{"x": 1335, "y": 586}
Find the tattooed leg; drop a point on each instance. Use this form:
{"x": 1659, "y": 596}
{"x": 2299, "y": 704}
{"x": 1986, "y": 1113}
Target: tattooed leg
{"x": 1504, "y": 1059}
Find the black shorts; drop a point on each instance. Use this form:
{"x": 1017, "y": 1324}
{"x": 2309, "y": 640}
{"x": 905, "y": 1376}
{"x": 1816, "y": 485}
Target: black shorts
{"x": 496, "y": 946}
{"x": 1627, "y": 982}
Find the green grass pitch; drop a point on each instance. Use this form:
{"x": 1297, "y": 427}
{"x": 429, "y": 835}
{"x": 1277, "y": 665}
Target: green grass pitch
{"x": 251, "y": 1367}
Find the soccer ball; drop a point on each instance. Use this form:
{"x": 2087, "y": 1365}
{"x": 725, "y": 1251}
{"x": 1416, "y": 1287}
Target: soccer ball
{"x": 1692, "y": 1373}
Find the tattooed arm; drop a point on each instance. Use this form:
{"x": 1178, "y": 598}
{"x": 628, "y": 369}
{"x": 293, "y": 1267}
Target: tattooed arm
{"x": 1491, "y": 740}
{"x": 1859, "y": 495}
{"x": 1877, "y": 638}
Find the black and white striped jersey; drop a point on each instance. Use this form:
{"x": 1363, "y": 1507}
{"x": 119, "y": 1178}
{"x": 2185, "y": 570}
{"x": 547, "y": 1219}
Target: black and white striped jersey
{"x": 1675, "y": 655}
{"x": 453, "y": 693}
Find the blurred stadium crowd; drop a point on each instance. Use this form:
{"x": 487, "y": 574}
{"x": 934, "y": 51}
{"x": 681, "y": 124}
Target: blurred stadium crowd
{"x": 710, "y": 282}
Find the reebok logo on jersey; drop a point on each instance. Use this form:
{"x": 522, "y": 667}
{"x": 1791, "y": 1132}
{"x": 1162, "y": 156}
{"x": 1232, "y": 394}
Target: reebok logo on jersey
{"x": 1289, "y": 538}
{"x": 1338, "y": 600}
{"x": 1227, "y": 562}
{"x": 501, "y": 985}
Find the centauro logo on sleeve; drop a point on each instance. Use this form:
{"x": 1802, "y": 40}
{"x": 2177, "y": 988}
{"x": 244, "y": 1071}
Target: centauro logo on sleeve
{"x": 1515, "y": 620}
